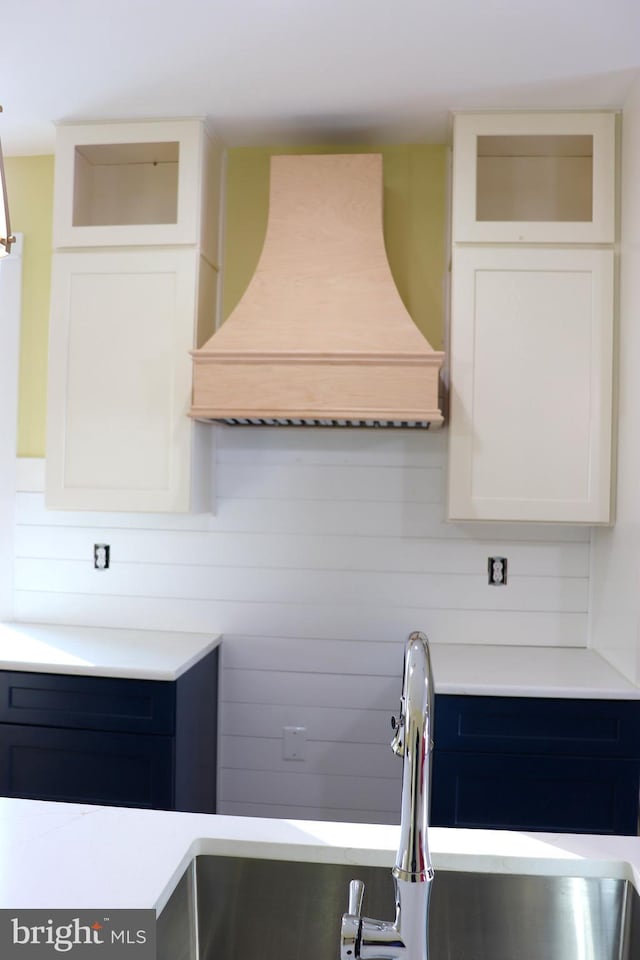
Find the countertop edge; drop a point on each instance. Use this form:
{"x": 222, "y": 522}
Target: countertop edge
{"x": 138, "y": 856}
{"x": 102, "y": 651}
{"x": 128, "y": 673}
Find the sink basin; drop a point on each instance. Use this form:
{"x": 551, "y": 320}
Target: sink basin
{"x": 225, "y": 908}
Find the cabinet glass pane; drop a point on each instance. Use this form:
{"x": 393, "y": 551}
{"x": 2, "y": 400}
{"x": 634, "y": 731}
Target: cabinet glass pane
{"x": 535, "y": 178}
{"x": 125, "y": 183}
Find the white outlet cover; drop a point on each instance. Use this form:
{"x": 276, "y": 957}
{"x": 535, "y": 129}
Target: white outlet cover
{"x": 294, "y": 743}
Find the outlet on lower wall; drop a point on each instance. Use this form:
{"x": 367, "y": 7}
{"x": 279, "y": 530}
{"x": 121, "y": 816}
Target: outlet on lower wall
{"x": 294, "y": 743}
{"x": 497, "y": 571}
{"x": 101, "y": 556}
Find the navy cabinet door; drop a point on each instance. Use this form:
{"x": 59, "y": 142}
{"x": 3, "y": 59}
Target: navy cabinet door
{"x": 555, "y": 794}
{"x": 535, "y": 763}
{"x": 538, "y": 725}
{"x": 87, "y": 703}
{"x": 86, "y": 766}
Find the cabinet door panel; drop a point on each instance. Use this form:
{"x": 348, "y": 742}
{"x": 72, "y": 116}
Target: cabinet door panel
{"x": 93, "y": 703}
{"x": 556, "y": 794}
{"x": 85, "y": 766}
{"x": 118, "y": 435}
{"x": 543, "y": 726}
{"x": 531, "y": 384}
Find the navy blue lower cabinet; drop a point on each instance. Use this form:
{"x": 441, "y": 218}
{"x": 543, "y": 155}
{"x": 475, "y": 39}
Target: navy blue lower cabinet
{"x": 536, "y": 764}
{"x": 87, "y": 766}
{"x": 122, "y": 742}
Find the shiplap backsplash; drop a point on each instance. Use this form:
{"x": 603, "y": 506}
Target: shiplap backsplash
{"x": 326, "y": 549}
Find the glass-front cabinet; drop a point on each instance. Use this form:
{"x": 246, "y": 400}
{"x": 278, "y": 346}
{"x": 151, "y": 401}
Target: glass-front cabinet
{"x": 534, "y": 178}
{"x": 121, "y": 184}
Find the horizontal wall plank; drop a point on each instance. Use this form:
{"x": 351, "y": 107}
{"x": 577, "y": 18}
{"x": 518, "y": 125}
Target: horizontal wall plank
{"x": 31, "y": 510}
{"x": 299, "y": 655}
{"x": 303, "y": 551}
{"x": 312, "y": 689}
{"x": 333, "y": 482}
{"x": 266, "y": 445}
{"x": 352, "y": 725}
{"x": 271, "y": 445}
{"x": 322, "y": 758}
{"x": 310, "y": 790}
{"x": 255, "y": 585}
{"x": 292, "y": 620}
{"x": 315, "y": 517}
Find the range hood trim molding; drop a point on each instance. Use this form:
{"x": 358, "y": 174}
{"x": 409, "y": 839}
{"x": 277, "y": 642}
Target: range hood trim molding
{"x": 201, "y": 357}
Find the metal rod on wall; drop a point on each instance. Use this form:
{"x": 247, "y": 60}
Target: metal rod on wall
{"x": 6, "y": 237}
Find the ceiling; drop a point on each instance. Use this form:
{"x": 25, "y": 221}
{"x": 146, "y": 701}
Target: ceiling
{"x": 269, "y": 71}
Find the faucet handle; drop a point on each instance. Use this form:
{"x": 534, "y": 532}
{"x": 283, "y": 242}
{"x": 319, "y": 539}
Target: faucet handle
{"x": 356, "y": 896}
{"x": 397, "y": 744}
{"x": 352, "y": 923}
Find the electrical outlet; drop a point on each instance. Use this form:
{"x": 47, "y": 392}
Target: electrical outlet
{"x": 101, "y": 553}
{"x": 497, "y": 569}
{"x": 294, "y": 743}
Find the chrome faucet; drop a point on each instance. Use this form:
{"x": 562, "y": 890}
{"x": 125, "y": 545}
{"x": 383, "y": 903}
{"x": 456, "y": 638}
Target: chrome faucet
{"x": 406, "y": 937}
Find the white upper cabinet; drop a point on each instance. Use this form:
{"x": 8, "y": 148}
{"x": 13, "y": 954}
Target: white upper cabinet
{"x": 147, "y": 183}
{"x": 534, "y": 178}
{"x": 133, "y": 291}
{"x": 530, "y": 398}
{"x": 532, "y": 318}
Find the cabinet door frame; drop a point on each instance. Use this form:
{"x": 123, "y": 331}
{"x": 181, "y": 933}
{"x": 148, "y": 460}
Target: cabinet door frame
{"x": 470, "y": 792}
{"x": 180, "y": 441}
{"x": 463, "y": 503}
{"x": 467, "y": 129}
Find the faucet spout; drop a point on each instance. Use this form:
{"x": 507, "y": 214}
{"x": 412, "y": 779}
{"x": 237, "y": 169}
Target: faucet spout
{"x": 414, "y": 731}
{"x": 407, "y": 936}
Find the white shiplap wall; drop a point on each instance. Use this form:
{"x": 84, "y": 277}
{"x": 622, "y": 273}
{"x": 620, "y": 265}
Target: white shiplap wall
{"x": 327, "y": 548}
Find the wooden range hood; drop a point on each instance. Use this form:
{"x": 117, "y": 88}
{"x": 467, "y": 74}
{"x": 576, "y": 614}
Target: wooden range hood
{"x": 321, "y": 336}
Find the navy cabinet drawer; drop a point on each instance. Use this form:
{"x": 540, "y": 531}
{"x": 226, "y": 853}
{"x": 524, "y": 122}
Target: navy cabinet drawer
{"x": 555, "y": 794}
{"x": 519, "y": 725}
{"x": 90, "y": 703}
{"x": 86, "y": 766}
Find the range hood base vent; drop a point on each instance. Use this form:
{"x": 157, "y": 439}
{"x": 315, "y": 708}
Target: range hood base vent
{"x": 291, "y": 422}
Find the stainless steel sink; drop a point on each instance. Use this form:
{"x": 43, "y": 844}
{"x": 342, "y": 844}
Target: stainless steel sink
{"x": 226, "y": 908}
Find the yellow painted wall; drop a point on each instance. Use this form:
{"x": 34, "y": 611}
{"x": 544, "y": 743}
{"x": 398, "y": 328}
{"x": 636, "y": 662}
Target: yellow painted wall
{"x": 30, "y": 192}
{"x": 415, "y": 199}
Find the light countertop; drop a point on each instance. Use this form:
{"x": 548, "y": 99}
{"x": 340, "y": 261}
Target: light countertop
{"x": 100, "y": 651}
{"x": 527, "y": 672}
{"x": 472, "y": 669}
{"x": 57, "y": 855}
